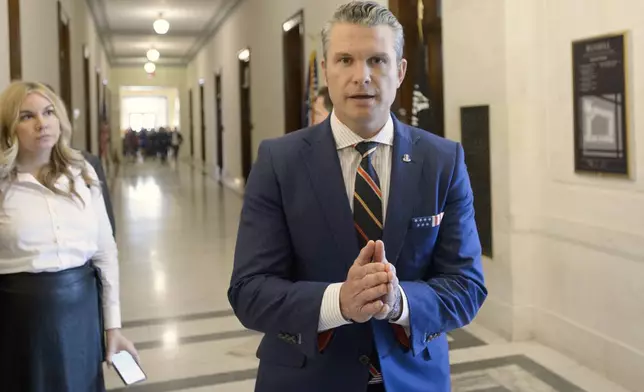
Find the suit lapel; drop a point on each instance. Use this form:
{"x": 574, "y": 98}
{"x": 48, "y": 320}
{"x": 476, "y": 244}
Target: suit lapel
{"x": 403, "y": 189}
{"x": 323, "y": 164}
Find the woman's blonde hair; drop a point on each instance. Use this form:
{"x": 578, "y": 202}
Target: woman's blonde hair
{"x": 63, "y": 157}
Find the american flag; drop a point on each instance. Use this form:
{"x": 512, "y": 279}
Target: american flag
{"x": 310, "y": 89}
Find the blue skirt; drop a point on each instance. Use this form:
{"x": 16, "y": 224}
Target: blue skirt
{"x": 51, "y": 331}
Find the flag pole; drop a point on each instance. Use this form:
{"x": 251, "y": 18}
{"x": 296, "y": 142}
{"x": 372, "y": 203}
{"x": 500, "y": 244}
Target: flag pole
{"x": 421, "y": 10}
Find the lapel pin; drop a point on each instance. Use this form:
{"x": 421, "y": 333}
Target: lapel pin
{"x": 406, "y": 158}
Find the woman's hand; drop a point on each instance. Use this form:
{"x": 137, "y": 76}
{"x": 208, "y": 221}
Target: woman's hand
{"x": 116, "y": 342}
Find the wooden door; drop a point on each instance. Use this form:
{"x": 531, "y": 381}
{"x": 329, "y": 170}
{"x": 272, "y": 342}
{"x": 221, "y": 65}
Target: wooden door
{"x": 293, "y": 55}
{"x": 245, "y": 114}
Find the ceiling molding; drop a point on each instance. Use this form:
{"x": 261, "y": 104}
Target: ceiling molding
{"x": 106, "y": 30}
{"x": 151, "y": 33}
{"x": 213, "y": 26}
{"x": 100, "y": 22}
{"x": 130, "y": 65}
{"x": 142, "y": 60}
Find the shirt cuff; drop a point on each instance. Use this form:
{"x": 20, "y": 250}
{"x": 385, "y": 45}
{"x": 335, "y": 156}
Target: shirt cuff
{"x": 403, "y": 320}
{"x": 330, "y": 314}
{"x": 112, "y": 316}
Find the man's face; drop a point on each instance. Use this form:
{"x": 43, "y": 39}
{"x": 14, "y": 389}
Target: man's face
{"x": 362, "y": 74}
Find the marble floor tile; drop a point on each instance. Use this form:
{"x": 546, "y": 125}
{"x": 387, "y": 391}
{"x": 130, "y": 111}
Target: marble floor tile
{"x": 180, "y": 362}
{"x": 241, "y": 386}
{"x": 178, "y": 330}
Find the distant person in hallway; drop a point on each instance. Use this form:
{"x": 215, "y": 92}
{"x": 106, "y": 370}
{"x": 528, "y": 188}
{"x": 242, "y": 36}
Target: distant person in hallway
{"x": 59, "y": 306}
{"x": 163, "y": 142}
{"x": 322, "y": 106}
{"x": 176, "y": 139}
{"x": 357, "y": 248}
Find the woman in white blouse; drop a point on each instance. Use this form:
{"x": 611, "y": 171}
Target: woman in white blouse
{"x": 59, "y": 275}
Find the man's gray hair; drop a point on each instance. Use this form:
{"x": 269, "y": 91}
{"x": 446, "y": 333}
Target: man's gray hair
{"x": 365, "y": 13}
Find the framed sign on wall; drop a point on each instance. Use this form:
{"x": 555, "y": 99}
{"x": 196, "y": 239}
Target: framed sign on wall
{"x": 600, "y": 104}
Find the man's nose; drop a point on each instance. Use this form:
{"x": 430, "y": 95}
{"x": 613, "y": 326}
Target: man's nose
{"x": 362, "y": 73}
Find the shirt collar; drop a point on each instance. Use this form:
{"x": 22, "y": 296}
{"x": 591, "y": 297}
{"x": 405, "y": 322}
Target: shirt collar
{"x": 345, "y": 137}
{"x": 22, "y": 177}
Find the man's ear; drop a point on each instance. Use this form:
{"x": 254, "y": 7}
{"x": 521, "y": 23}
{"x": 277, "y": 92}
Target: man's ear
{"x": 402, "y": 71}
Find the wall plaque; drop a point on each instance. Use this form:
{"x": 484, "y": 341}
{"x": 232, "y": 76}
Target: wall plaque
{"x": 600, "y": 101}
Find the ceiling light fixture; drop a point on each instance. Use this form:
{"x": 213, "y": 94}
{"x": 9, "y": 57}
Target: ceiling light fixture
{"x": 161, "y": 26}
{"x": 153, "y": 55}
{"x": 149, "y": 67}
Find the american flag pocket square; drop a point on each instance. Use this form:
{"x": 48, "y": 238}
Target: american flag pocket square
{"x": 427, "y": 221}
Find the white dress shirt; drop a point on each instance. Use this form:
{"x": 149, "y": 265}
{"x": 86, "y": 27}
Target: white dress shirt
{"x": 41, "y": 231}
{"x": 345, "y": 138}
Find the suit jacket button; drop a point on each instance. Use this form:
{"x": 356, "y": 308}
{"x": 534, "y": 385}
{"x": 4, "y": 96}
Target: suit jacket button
{"x": 364, "y": 360}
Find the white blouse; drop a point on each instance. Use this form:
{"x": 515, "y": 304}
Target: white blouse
{"x": 41, "y": 231}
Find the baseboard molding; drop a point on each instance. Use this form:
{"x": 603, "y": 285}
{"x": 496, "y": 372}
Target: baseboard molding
{"x": 235, "y": 184}
{"x": 604, "y": 354}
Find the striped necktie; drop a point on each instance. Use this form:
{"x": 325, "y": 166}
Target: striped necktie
{"x": 367, "y": 218}
{"x": 367, "y": 197}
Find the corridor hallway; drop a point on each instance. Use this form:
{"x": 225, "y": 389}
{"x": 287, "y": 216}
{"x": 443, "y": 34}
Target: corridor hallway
{"x": 176, "y": 231}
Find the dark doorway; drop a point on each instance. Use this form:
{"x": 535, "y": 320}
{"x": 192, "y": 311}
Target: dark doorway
{"x": 202, "y": 116}
{"x": 475, "y": 135}
{"x": 15, "y": 52}
{"x": 219, "y": 126}
{"x": 99, "y": 83}
{"x": 192, "y": 126}
{"x": 293, "y": 52}
{"x": 87, "y": 100}
{"x": 432, "y": 41}
{"x": 245, "y": 112}
{"x": 64, "y": 58}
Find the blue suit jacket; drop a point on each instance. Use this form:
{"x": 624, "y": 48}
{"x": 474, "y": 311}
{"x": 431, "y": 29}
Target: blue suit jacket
{"x": 296, "y": 235}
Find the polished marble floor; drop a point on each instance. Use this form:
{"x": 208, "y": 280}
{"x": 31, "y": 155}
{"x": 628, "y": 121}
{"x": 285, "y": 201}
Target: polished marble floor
{"x": 176, "y": 232}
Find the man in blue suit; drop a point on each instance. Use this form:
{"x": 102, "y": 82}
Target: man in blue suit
{"x": 357, "y": 247}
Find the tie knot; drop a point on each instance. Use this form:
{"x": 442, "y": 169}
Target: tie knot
{"x": 366, "y": 148}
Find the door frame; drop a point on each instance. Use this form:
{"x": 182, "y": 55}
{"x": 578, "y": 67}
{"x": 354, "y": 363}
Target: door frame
{"x": 246, "y": 124}
{"x": 15, "y": 40}
{"x": 192, "y": 125}
{"x": 219, "y": 124}
{"x": 87, "y": 99}
{"x": 202, "y": 116}
{"x": 293, "y": 88}
{"x": 433, "y": 36}
{"x": 64, "y": 58}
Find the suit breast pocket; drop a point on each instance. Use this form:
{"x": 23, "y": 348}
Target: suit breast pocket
{"x": 422, "y": 235}
{"x": 424, "y": 222}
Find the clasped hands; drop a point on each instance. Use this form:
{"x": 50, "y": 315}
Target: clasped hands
{"x": 372, "y": 288}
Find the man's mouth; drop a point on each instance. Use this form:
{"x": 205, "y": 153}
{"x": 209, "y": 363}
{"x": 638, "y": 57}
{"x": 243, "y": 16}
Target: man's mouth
{"x": 362, "y": 96}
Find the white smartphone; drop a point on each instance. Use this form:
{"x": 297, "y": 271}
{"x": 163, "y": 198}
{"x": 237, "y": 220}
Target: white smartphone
{"x": 127, "y": 368}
